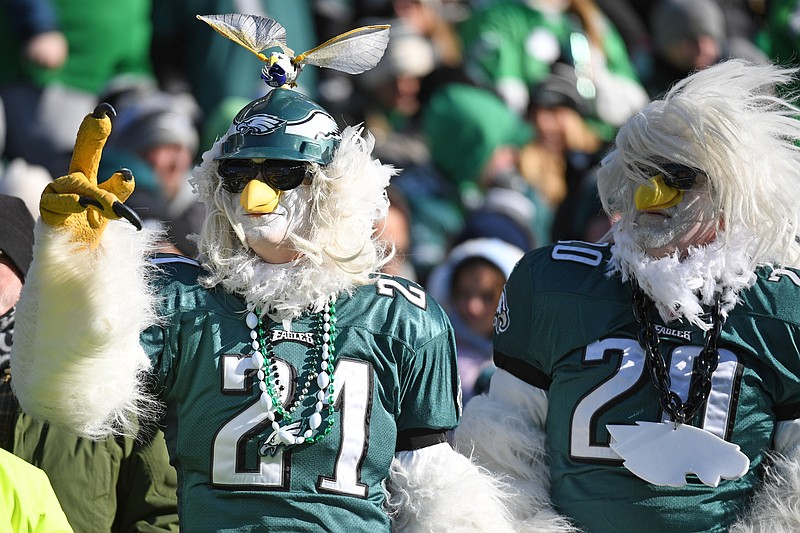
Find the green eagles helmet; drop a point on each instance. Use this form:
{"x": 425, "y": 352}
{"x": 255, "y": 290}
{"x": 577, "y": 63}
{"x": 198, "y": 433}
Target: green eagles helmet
{"x": 284, "y": 124}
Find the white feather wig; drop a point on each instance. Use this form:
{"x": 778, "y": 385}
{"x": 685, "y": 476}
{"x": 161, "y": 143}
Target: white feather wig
{"x": 728, "y": 121}
{"x": 348, "y": 197}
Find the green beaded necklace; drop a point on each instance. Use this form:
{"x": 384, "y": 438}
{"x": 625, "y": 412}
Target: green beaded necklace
{"x": 287, "y": 431}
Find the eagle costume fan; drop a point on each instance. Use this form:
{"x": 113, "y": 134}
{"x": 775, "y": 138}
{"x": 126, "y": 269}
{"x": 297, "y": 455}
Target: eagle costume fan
{"x": 655, "y": 377}
{"x": 300, "y": 389}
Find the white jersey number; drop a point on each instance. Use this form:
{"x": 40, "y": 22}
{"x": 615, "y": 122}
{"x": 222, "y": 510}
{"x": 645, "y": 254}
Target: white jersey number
{"x": 353, "y": 389}
{"x": 715, "y": 417}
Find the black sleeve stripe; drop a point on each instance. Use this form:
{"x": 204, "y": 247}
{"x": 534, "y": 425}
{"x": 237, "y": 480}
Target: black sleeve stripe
{"x": 522, "y": 370}
{"x": 415, "y": 439}
{"x": 787, "y": 412}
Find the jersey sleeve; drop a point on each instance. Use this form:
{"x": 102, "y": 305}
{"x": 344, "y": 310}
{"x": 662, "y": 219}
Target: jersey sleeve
{"x": 514, "y": 326}
{"x": 153, "y": 341}
{"x": 429, "y": 386}
{"x": 175, "y": 284}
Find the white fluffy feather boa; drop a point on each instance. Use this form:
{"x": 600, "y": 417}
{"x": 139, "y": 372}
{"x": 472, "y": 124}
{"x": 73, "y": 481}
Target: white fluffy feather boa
{"x": 681, "y": 287}
{"x": 504, "y": 432}
{"x": 76, "y": 359}
{"x": 436, "y": 489}
{"x": 776, "y": 506}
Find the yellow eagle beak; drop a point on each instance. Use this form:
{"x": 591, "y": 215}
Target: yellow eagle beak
{"x": 657, "y": 195}
{"x": 258, "y": 197}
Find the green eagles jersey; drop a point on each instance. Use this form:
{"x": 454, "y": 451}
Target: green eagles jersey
{"x": 564, "y": 326}
{"x": 395, "y": 382}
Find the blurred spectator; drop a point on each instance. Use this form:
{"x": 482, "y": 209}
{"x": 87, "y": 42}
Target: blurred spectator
{"x": 581, "y": 216}
{"x": 18, "y": 177}
{"x": 116, "y": 484}
{"x": 691, "y": 35}
{"x": 387, "y": 102}
{"x": 782, "y": 36}
{"x": 25, "y": 181}
{"x": 511, "y": 45}
{"x": 423, "y": 38}
{"x": 395, "y": 230}
{"x": 435, "y": 20}
{"x": 633, "y": 29}
{"x": 504, "y": 213}
{"x": 468, "y": 285}
{"x": 743, "y": 18}
{"x": 565, "y": 147}
{"x": 46, "y": 95}
{"x": 154, "y": 135}
{"x": 474, "y": 141}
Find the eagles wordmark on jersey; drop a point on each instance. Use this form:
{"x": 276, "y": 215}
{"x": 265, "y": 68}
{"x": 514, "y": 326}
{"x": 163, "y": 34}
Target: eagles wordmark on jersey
{"x": 593, "y": 369}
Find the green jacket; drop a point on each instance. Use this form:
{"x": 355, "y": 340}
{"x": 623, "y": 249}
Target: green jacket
{"x": 112, "y": 485}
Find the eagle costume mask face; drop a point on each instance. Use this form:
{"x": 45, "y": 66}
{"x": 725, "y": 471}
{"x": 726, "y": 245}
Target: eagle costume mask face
{"x": 291, "y": 206}
{"x": 669, "y": 219}
{"x": 266, "y": 233}
{"x": 701, "y": 185}
{"x": 265, "y": 169}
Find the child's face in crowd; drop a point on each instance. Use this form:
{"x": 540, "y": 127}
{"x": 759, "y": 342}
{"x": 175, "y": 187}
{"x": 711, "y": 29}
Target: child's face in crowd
{"x": 476, "y": 290}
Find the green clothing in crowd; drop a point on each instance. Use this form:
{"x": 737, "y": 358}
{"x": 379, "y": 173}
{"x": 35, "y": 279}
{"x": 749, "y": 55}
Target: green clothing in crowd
{"x": 105, "y": 39}
{"x": 117, "y": 484}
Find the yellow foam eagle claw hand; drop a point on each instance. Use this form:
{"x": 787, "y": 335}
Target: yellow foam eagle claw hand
{"x": 76, "y": 201}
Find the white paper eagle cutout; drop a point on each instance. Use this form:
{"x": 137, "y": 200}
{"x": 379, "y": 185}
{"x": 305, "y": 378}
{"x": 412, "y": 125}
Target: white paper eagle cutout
{"x": 664, "y": 453}
{"x": 352, "y": 52}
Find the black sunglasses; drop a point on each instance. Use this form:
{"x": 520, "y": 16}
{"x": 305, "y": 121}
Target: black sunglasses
{"x": 235, "y": 174}
{"x": 679, "y": 176}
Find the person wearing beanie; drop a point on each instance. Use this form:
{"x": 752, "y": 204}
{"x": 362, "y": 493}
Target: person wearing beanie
{"x": 16, "y": 253}
{"x": 301, "y": 390}
{"x": 121, "y": 483}
{"x": 72, "y": 463}
{"x": 27, "y": 500}
{"x": 16, "y": 239}
{"x": 690, "y": 35}
{"x": 566, "y": 146}
{"x": 468, "y": 285}
{"x": 465, "y": 127}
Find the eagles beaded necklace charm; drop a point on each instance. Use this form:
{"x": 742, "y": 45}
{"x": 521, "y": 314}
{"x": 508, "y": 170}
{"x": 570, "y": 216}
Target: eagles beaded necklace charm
{"x": 286, "y": 431}
{"x": 663, "y": 453}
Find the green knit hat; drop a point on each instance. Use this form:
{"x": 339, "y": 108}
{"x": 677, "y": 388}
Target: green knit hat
{"x": 464, "y": 125}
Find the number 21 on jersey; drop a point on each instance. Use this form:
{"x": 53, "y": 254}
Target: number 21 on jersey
{"x": 354, "y": 390}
